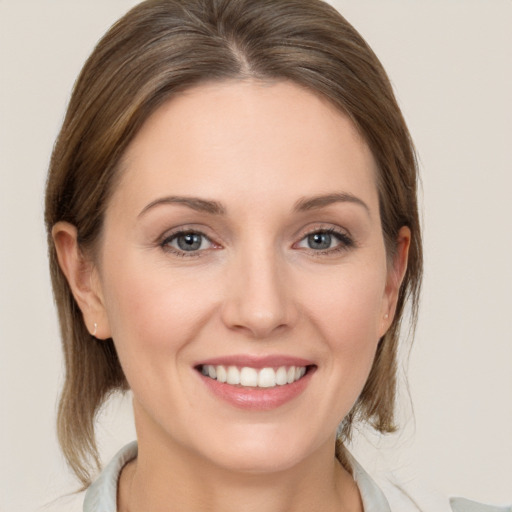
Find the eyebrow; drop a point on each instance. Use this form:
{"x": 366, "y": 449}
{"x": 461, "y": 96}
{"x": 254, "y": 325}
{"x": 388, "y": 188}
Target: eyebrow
{"x": 216, "y": 208}
{"x": 316, "y": 202}
{"x": 195, "y": 203}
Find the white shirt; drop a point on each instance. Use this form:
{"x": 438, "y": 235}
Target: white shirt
{"x": 102, "y": 494}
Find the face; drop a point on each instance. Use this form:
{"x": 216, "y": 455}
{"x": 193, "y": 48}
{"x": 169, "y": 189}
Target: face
{"x": 243, "y": 274}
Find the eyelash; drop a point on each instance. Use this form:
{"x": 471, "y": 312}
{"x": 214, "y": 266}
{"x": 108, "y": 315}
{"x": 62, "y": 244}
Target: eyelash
{"x": 345, "y": 242}
{"x": 165, "y": 243}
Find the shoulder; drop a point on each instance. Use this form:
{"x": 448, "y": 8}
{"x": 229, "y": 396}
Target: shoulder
{"x": 464, "y": 505}
{"x": 386, "y": 495}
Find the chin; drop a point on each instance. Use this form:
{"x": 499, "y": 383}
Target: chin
{"x": 262, "y": 449}
{"x": 257, "y": 461}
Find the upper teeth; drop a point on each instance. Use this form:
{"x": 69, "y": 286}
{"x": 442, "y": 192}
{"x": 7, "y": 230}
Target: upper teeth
{"x": 251, "y": 377}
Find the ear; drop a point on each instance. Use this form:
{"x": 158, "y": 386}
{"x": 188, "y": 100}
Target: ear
{"x": 396, "y": 273}
{"x": 83, "y": 279}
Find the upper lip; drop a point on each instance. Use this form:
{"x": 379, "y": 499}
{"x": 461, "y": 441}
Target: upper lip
{"x": 269, "y": 361}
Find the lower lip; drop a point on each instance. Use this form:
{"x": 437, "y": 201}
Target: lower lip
{"x": 257, "y": 399}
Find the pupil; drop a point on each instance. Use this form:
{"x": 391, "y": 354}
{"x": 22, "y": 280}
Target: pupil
{"x": 319, "y": 241}
{"x": 189, "y": 242}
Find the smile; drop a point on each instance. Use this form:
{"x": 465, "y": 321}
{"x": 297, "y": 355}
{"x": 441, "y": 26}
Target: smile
{"x": 254, "y": 377}
{"x": 256, "y": 383}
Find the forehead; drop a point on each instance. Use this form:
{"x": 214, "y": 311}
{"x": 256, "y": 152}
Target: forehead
{"x": 269, "y": 140}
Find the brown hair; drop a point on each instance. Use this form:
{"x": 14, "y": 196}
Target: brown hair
{"x": 162, "y": 47}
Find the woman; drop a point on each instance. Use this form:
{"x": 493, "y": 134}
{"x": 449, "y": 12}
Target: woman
{"x": 233, "y": 230}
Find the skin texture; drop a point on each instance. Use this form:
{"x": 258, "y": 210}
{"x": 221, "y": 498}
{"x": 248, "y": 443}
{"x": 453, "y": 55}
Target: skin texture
{"x": 255, "y": 287}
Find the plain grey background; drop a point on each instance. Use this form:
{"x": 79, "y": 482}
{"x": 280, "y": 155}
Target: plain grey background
{"x": 451, "y": 64}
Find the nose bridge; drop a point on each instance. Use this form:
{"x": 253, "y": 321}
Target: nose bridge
{"x": 258, "y": 299}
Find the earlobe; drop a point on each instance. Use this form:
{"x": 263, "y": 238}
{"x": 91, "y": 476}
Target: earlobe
{"x": 82, "y": 278}
{"x": 396, "y": 274}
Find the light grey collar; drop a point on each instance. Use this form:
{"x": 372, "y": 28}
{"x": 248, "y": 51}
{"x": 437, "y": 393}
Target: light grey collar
{"x": 373, "y": 498}
{"x": 102, "y": 494}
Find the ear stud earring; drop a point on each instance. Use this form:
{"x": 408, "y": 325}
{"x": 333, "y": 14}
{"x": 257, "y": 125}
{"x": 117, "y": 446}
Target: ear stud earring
{"x": 386, "y": 316}
{"x": 95, "y": 329}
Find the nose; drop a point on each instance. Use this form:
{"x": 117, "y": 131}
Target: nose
{"x": 259, "y": 297}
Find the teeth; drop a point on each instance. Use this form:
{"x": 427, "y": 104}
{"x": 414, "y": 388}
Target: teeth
{"x": 222, "y": 374}
{"x": 267, "y": 378}
{"x": 281, "y": 376}
{"x": 251, "y": 377}
{"x": 233, "y": 376}
{"x": 248, "y": 377}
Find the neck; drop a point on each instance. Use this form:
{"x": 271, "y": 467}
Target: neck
{"x": 166, "y": 477}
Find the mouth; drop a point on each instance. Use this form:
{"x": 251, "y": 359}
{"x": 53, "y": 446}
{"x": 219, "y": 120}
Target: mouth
{"x": 249, "y": 377}
{"x": 256, "y": 384}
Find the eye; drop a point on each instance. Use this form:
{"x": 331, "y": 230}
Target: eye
{"x": 187, "y": 241}
{"x": 319, "y": 241}
{"x": 326, "y": 240}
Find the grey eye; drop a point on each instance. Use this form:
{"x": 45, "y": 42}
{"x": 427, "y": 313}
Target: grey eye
{"x": 189, "y": 241}
{"x": 319, "y": 241}
{"x": 325, "y": 241}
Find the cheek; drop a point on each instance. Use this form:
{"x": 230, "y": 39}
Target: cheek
{"x": 348, "y": 305}
{"x": 347, "y": 311}
{"x": 151, "y": 315}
